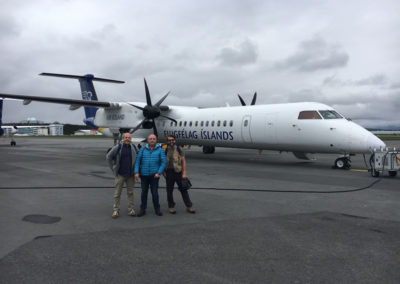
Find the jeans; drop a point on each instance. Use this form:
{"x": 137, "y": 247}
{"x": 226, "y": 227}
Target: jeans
{"x": 171, "y": 178}
{"x": 153, "y": 183}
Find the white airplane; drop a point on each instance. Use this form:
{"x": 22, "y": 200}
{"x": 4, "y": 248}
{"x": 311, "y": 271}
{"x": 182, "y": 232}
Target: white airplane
{"x": 302, "y": 128}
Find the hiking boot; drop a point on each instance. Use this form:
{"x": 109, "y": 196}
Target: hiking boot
{"x": 132, "y": 213}
{"x": 115, "y": 214}
{"x": 190, "y": 210}
{"x": 141, "y": 213}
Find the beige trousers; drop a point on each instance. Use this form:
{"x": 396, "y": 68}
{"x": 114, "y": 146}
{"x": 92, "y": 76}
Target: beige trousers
{"x": 119, "y": 182}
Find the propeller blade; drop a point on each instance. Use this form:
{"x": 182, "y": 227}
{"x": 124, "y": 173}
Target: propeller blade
{"x": 136, "y": 106}
{"x": 253, "y": 102}
{"x": 137, "y": 127}
{"x": 155, "y": 128}
{"x": 148, "y": 99}
{"x": 241, "y": 100}
{"x": 162, "y": 99}
{"x": 169, "y": 118}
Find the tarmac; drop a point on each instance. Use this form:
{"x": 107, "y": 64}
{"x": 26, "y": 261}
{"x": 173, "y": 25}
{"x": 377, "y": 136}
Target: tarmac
{"x": 260, "y": 218}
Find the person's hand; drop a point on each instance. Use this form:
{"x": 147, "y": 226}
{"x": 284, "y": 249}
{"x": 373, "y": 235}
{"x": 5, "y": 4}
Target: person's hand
{"x": 136, "y": 176}
{"x": 156, "y": 175}
{"x": 164, "y": 174}
{"x": 184, "y": 175}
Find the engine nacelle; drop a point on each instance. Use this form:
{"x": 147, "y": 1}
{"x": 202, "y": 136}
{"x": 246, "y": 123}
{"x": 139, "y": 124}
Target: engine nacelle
{"x": 147, "y": 124}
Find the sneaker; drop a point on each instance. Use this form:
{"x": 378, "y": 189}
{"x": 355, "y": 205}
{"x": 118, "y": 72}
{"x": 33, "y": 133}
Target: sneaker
{"x": 159, "y": 213}
{"x": 172, "y": 210}
{"x": 115, "y": 215}
{"x": 141, "y": 213}
{"x": 132, "y": 213}
{"x": 190, "y": 210}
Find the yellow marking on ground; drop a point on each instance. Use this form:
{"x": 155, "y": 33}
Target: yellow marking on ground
{"x": 358, "y": 170}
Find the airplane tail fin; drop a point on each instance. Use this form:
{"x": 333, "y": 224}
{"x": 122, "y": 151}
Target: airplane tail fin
{"x": 1, "y": 117}
{"x": 88, "y": 91}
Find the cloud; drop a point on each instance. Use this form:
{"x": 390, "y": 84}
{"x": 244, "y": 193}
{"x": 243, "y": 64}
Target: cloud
{"x": 373, "y": 80}
{"x": 315, "y": 54}
{"x": 244, "y": 54}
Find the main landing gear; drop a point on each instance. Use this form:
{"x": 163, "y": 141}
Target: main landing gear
{"x": 208, "y": 149}
{"x": 342, "y": 163}
{"x": 13, "y": 143}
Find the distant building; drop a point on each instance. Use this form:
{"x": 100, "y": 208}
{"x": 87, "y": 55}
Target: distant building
{"x": 56, "y": 129}
{"x": 40, "y": 130}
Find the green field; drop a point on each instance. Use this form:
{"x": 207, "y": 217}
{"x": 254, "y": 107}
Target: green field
{"x": 389, "y": 136}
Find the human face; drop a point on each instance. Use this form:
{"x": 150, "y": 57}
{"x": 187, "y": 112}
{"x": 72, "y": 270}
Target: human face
{"x": 152, "y": 140}
{"x": 171, "y": 141}
{"x": 126, "y": 138}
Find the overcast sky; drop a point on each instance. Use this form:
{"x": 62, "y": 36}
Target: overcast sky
{"x": 342, "y": 53}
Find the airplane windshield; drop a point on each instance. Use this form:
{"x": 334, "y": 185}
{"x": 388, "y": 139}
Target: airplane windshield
{"x": 330, "y": 114}
{"x": 309, "y": 114}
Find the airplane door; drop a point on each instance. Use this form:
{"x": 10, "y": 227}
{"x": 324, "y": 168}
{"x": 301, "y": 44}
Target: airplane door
{"x": 246, "y": 134}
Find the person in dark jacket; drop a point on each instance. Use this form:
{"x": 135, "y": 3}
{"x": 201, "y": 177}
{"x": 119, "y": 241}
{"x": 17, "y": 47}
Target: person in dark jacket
{"x": 150, "y": 164}
{"x": 120, "y": 160}
{"x": 174, "y": 173}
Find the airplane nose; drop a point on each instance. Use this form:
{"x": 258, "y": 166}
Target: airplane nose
{"x": 374, "y": 142}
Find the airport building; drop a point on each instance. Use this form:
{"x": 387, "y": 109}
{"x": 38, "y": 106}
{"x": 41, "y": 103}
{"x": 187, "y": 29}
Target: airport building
{"x": 41, "y": 130}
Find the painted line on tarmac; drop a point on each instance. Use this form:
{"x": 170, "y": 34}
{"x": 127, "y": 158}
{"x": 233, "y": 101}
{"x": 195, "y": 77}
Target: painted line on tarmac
{"x": 359, "y": 170}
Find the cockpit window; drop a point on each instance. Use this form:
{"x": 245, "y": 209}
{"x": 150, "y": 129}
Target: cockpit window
{"x": 309, "y": 114}
{"x": 330, "y": 114}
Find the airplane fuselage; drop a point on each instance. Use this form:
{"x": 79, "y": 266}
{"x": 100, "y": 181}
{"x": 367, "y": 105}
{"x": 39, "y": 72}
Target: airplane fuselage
{"x": 271, "y": 127}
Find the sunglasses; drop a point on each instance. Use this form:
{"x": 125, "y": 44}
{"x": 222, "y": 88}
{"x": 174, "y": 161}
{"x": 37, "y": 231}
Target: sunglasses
{"x": 170, "y": 140}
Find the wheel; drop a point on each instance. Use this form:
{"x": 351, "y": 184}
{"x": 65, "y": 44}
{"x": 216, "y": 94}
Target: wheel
{"x": 208, "y": 149}
{"x": 374, "y": 173}
{"x": 392, "y": 173}
{"x": 342, "y": 163}
{"x": 13, "y": 143}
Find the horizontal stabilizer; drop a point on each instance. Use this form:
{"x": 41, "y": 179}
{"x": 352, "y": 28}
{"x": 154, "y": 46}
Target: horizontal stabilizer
{"x": 62, "y": 101}
{"x": 88, "y": 76}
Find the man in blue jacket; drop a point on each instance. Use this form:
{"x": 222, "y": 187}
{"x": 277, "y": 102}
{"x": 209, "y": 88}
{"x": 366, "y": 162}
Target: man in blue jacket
{"x": 151, "y": 162}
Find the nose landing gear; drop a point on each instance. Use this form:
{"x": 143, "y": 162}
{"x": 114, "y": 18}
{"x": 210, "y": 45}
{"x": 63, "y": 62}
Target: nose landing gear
{"x": 342, "y": 163}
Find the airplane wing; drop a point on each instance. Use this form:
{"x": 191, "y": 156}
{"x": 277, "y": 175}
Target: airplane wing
{"x": 72, "y": 102}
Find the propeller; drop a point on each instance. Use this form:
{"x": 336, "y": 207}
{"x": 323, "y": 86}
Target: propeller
{"x": 253, "y": 101}
{"x": 151, "y": 112}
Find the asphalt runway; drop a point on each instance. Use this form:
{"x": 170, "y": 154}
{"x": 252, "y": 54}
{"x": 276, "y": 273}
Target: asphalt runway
{"x": 261, "y": 218}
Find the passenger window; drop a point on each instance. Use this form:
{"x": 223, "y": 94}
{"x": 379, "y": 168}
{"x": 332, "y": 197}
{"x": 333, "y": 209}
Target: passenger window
{"x": 309, "y": 114}
{"x": 246, "y": 122}
{"x": 330, "y": 114}
{"x": 231, "y": 123}
{"x": 224, "y": 123}
{"x": 202, "y": 123}
{"x": 196, "y": 123}
{"x": 190, "y": 123}
{"x": 207, "y": 123}
{"x": 171, "y": 123}
{"x": 212, "y": 123}
{"x": 184, "y": 124}
{"x": 180, "y": 123}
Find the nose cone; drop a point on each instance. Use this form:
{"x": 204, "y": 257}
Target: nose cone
{"x": 374, "y": 142}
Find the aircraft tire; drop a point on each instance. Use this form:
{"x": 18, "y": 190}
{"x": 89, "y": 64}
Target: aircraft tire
{"x": 208, "y": 149}
{"x": 342, "y": 163}
{"x": 13, "y": 143}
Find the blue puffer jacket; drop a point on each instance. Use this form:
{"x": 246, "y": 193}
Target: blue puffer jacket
{"x": 150, "y": 162}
